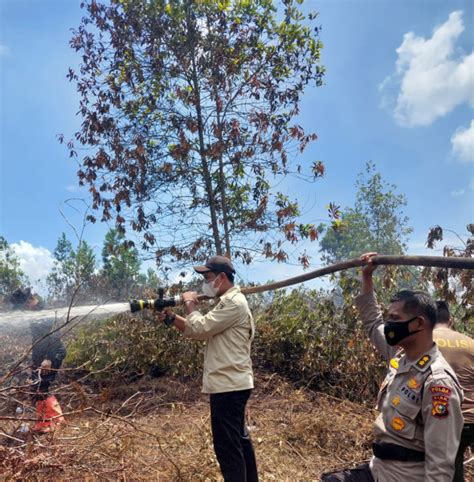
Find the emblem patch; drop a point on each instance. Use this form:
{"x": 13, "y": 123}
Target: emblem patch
{"x": 394, "y": 363}
{"x": 398, "y": 423}
{"x": 413, "y": 383}
{"x": 423, "y": 361}
{"x": 396, "y": 400}
{"x": 440, "y": 406}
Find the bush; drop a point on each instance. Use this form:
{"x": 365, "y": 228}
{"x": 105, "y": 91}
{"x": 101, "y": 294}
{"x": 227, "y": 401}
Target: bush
{"x": 306, "y": 337}
{"x": 303, "y": 335}
{"x": 130, "y": 346}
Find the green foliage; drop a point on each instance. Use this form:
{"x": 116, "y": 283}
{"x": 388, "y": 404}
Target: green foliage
{"x": 456, "y": 287}
{"x": 133, "y": 345}
{"x": 11, "y": 276}
{"x": 307, "y": 337}
{"x": 72, "y": 276}
{"x": 121, "y": 266}
{"x": 375, "y": 223}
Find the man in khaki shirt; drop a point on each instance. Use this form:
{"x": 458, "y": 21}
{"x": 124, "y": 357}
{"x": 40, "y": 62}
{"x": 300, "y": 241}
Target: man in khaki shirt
{"x": 228, "y": 330}
{"x": 458, "y": 349}
{"x": 418, "y": 429}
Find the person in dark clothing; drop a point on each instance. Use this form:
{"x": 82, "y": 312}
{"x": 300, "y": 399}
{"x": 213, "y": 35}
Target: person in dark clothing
{"x": 47, "y": 356}
{"x": 48, "y": 353}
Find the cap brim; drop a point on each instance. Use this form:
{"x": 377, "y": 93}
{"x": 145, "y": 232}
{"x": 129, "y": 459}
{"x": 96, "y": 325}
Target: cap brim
{"x": 202, "y": 269}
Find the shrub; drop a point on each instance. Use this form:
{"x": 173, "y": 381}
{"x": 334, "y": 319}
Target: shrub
{"x": 127, "y": 345}
{"x": 305, "y": 336}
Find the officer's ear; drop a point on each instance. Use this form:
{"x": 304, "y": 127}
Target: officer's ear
{"x": 424, "y": 323}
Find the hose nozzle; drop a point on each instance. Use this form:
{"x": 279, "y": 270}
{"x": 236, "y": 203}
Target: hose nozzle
{"x": 158, "y": 305}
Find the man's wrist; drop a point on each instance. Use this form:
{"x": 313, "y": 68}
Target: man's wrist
{"x": 169, "y": 318}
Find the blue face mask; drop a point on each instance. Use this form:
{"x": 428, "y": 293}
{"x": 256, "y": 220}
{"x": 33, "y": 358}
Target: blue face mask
{"x": 396, "y": 331}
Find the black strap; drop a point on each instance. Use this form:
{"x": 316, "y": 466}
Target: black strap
{"x": 388, "y": 451}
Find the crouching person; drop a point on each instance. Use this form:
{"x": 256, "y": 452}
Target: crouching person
{"x": 418, "y": 430}
{"x": 48, "y": 353}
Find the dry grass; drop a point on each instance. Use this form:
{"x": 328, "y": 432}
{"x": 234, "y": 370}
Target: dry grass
{"x": 162, "y": 432}
{"x": 158, "y": 429}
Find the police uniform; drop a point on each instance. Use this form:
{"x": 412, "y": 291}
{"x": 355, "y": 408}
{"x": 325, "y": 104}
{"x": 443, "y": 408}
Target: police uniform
{"x": 418, "y": 430}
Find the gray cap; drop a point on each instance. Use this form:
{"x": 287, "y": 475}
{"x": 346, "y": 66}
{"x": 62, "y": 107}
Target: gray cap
{"x": 218, "y": 264}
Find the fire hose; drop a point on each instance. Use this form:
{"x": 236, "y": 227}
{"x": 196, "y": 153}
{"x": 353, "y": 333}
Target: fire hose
{"x": 456, "y": 263}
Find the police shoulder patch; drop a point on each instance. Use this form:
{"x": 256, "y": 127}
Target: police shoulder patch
{"x": 440, "y": 405}
{"x": 441, "y": 390}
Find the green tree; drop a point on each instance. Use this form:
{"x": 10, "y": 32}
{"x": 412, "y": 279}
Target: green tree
{"x": 451, "y": 285}
{"x": 121, "y": 265}
{"x": 375, "y": 223}
{"x": 190, "y": 108}
{"x": 72, "y": 275}
{"x": 11, "y": 275}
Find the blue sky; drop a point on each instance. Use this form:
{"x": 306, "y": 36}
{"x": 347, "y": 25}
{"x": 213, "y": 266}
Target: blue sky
{"x": 399, "y": 91}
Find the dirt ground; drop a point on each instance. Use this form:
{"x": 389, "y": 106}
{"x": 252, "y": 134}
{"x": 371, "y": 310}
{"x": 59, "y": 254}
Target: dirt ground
{"x": 158, "y": 429}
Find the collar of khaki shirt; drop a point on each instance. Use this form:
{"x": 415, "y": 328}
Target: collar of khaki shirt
{"x": 230, "y": 292}
{"x": 421, "y": 364}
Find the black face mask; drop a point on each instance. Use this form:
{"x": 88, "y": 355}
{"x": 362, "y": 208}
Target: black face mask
{"x": 396, "y": 331}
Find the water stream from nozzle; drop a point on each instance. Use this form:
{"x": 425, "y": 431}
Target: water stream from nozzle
{"x": 18, "y": 317}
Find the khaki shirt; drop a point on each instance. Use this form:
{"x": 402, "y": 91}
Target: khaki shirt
{"x": 458, "y": 349}
{"x": 228, "y": 330}
{"x": 420, "y": 405}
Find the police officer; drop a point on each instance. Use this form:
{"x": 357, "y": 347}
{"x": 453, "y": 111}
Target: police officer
{"x": 418, "y": 429}
{"x": 458, "y": 349}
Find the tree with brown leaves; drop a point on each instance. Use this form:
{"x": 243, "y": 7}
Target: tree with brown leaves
{"x": 189, "y": 109}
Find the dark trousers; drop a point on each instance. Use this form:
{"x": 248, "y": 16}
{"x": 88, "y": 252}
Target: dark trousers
{"x": 467, "y": 439}
{"x": 232, "y": 444}
{"x": 42, "y": 380}
{"x": 361, "y": 473}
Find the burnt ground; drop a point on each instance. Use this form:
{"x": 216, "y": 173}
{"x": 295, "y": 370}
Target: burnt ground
{"x": 159, "y": 429}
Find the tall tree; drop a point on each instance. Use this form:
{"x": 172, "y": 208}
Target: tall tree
{"x": 375, "y": 223}
{"x": 11, "y": 275}
{"x": 190, "y": 108}
{"x": 121, "y": 265}
{"x": 72, "y": 275}
{"x": 451, "y": 285}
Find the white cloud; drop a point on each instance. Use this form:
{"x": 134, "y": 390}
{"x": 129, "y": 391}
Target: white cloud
{"x": 4, "y": 50}
{"x": 463, "y": 143}
{"x": 458, "y": 192}
{"x": 36, "y": 262}
{"x": 431, "y": 80}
